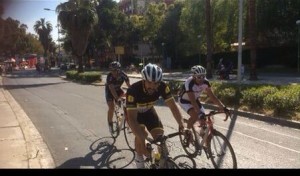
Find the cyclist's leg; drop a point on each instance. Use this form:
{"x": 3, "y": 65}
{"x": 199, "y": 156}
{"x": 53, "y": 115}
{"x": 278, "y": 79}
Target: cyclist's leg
{"x": 154, "y": 125}
{"x": 111, "y": 105}
{"x": 140, "y": 150}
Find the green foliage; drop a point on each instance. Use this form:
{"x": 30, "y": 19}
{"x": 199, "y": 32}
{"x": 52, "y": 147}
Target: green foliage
{"x": 85, "y": 77}
{"x": 282, "y": 100}
{"x": 175, "y": 86}
{"x": 89, "y": 77}
{"x": 285, "y": 100}
{"x": 228, "y": 93}
{"x": 254, "y": 97}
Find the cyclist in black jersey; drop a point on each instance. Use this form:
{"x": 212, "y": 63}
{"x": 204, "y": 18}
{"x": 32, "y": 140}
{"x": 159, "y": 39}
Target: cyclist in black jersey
{"x": 140, "y": 100}
{"x": 113, "y": 90}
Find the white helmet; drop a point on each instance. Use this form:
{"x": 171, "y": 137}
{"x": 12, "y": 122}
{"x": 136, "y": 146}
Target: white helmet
{"x": 152, "y": 72}
{"x": 198, "y": 70}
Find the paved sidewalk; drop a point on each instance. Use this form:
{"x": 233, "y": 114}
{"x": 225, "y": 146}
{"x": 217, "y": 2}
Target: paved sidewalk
{"x": 21, "y": 144}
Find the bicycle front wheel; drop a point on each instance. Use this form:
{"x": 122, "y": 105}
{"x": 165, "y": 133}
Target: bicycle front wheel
{"x": 221, "y": 152}
{"x": 115, "y": 126}
{"x": 129, "y": 136}
{"x": 190, "y": 145}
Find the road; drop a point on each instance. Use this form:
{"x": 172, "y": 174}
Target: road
{"x": 71, "y": 118}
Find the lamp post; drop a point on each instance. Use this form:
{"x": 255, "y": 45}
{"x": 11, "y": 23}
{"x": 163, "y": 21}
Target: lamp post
{"x": 57, "y": 25}
{"x": 298, "y": 24}
{"x": 199, "y": 37}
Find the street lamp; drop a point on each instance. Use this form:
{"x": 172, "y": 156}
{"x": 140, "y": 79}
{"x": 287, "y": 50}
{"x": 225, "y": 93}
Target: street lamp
{"x": 199, "y": 37}
{"x": 298, "y": 24}
{"x": 57, "y": 25}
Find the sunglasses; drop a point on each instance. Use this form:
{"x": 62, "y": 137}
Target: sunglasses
{"x": 200, "y": 77}
{"x": 155, "y": 83}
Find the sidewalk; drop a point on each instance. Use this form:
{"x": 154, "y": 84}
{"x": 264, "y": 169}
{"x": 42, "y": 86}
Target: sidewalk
{"x": 21, "y": 144}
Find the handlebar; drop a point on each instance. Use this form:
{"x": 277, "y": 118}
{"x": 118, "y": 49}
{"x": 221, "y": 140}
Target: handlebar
{"x": 162, "y": 138}
{"x": 226, "y": 111}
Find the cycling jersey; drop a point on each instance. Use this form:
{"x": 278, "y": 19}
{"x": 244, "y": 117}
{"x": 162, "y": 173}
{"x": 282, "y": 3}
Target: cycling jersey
{"x": 116, "y": 82}
{"x": 138, "y": 98}
{"x": 191, "y": 86}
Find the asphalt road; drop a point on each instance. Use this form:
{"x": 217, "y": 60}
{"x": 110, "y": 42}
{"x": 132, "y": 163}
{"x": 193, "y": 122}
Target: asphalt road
{"x": 71, "y": 118}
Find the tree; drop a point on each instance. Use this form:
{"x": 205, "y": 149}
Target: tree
{"x": 43, "y": 29}
{"x": 209, "y": 38}
{"x": 252, "y": 38}
{"x": 78, "y": 17}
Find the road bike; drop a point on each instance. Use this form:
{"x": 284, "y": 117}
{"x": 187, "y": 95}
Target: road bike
{"x": 214, "y": 144}
{"x": 163, "y": 160}
{"x": 120, "y": 123}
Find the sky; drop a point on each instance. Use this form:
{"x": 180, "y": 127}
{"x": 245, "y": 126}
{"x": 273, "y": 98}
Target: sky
{"x": 30, "y": 11}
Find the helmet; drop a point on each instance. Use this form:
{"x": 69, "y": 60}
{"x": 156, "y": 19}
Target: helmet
{"x": 198, "y": 70}
{"x": 152, "y": 72}
{"x": 115, "y": 65}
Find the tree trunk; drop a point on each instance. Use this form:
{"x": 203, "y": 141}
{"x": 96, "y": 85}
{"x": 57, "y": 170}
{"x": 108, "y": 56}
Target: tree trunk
{"x": 209, "y": 39}
{"x": 252, "y": 38}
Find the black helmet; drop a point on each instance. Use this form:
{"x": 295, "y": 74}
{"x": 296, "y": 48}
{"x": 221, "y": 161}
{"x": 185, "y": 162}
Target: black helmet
{"x": 152, "y": 72}
{"x": 115, "y": 65}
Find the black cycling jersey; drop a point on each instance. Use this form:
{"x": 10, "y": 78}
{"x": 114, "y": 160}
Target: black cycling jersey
{"x": 117, "y": 82}
{"x": 138, "y": 98}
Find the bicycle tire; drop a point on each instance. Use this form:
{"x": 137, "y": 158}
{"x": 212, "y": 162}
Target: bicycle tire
{"x": 115, "y": 127}
{"x": 169, "y": 164}
{"x": 129, "y": 136}
{"x": 192, "y": 149}
{"x": 220, "y": 151}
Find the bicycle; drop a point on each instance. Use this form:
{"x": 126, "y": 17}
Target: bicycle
{"x": 120, "y": 123}
{"x": 215, "y": 145}
{"x": 163, "y": 161}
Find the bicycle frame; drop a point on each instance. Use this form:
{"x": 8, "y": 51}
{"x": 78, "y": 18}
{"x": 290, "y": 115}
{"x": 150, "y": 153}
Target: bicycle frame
{"x": 164, "y": 153}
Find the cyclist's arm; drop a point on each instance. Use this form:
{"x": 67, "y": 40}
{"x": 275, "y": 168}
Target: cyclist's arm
{"x": 193, "y": 101}
{"x": 134, "y": 125}
{"x": 214, "y": 99}
{"x": 175, "y": 111}
{"x": 113, "y": 91}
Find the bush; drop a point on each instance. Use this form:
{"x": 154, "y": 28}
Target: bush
{"x": 286, "y": 100}
{"x": 254, "y": 97}
{"x": 85, "y": 77}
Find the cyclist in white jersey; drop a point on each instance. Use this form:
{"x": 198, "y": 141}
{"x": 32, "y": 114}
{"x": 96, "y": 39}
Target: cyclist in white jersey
{"x": 189, "y": 96}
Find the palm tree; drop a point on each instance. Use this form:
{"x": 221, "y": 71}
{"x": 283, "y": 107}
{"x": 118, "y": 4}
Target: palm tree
{"x": 77, "y": 18}
{"x": 43, "y": 29}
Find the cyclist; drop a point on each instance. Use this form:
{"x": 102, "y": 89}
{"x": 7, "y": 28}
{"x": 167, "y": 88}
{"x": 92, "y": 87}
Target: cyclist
{"x": 142, "y": 117}
{"x": 113, "y": 90}
{"x": 190, "y": 94}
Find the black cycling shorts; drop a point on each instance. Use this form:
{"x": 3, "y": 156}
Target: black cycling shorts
{"x": 110, "y": 97}
{"x": 150, "y": 119}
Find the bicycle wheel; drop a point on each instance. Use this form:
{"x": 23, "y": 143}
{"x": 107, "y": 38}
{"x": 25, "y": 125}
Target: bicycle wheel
{"x": 169, "y": 164}
{"x": 115, "y": 127}
{"x": 129, "y": 136}
{"x": 220, "y": 151}
{"x": 190, "y": 148}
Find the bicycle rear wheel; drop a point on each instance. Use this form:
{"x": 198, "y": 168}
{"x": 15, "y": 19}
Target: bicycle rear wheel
{"x": 190, "y": 147}
{"x": 129, "y": 136}
{"x": 169, "y": 164}
{"x": 220, "y": 151}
